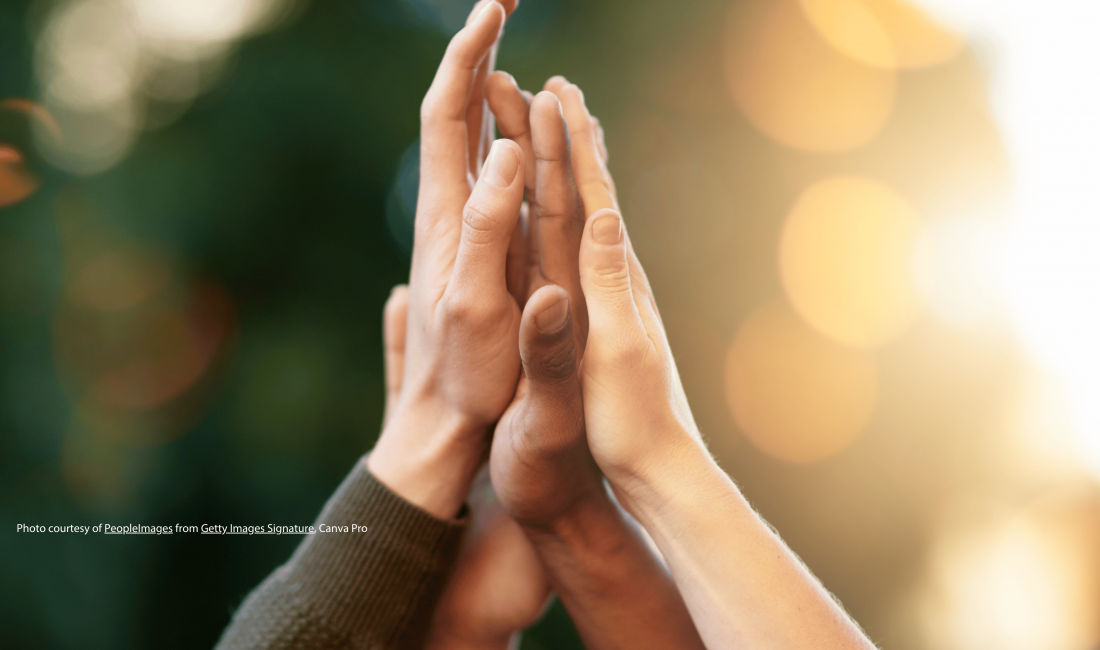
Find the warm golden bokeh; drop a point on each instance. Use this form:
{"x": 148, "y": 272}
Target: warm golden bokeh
{"x": 846, "y": 259}
{"x": 796, "y": 87}
{"x": 796, "y": 395}
{"x": 1017, "y": 580}
{"x": 883, "y": 33}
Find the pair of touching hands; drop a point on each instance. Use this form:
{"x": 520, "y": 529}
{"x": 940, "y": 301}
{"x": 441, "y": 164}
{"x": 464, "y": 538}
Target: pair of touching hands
{"x": 528, "y": 327}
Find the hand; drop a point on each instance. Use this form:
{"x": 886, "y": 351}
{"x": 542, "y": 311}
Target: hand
{"x": 462, "y": 358}
{"x": 636, "y": 413}
{"x": 540, "y": 463}
{"x": 614, "y": 589}
{"x": 499, "y": 586}
{"x": 743, "y": 586}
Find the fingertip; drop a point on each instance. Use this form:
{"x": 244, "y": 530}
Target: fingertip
{"x": 547, "y": 345}
{"x": 551, "y": 308}
{"x": 544, "y": 100}
{"x": 398, "y": 298}
{"x": 492, "y": 10}
{"x": 503, "y": 78}
{"x": 503, "y": 164}
{"x": 576, "y": 115}
{"x": 554, "y": 84}
{"x": 606, "y": 227}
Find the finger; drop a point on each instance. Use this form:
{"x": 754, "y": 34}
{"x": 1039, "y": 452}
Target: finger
{"x": 550, "y": 358}
{"x": 600, "y": 142}
{"x": 443, "y": 142}
{"x": 559, "y": 219}
{"x": 605, "y": 277}
{"x": 394, "y": 321}
{"x": 488, "y": 222}
{"x": 517, "y": 260}
{"x": 597, "y": 189}
{"x": 593, "y": 181}
{"x": 479, "y": 121}
{"x": 555, "y": 84}
{"x": 509, "y": 7}
{"x": 512, "y": 112}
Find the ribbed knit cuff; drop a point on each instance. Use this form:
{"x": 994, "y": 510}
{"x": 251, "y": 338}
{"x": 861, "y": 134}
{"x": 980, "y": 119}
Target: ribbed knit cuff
{"x": 380, "y": 586}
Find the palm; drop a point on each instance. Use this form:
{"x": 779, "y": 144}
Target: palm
{"x": 499, "y": 585}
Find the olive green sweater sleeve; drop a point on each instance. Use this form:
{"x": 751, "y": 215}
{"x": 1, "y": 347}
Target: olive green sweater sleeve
{"x": 372, "y": 590}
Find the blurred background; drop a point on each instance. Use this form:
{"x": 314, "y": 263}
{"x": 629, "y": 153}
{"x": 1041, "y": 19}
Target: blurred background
{"x": 871, "y": 226}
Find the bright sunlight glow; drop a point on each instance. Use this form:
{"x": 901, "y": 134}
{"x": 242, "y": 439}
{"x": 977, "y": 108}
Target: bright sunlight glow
{"x": 1043, "y": 61}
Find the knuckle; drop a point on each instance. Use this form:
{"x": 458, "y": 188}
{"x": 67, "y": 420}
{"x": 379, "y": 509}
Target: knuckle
{"x": 610, "y": 276}
{"x": 598, "y": 183}
{"x": 463, "y": 310}
{"x": 558, "y": 367}
{"x": 478, "y": 225}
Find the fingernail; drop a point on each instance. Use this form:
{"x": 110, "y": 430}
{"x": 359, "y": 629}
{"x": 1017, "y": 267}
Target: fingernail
{"x": 607, "y": 229}
{"x": 553, "y": 317}
{"x": 502, "y": 165}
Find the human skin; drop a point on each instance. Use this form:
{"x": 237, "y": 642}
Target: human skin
{"x": 498, "y": 586}
{"x": 616, "y": 592}
{"x": 461, "y": 362}
{"x": 465, "y": 338}
{"x": 743, "y": 586}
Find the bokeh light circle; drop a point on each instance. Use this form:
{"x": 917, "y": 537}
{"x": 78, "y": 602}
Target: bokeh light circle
{"x": 846, "y": 258}
{"x": 796, "y": 87}
{"x": 893, "y": 34}
{"x": 798, "y": 396}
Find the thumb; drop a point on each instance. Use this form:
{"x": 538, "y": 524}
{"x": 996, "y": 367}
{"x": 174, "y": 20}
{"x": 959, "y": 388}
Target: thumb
{"x": 547, "y": 346}
{"x": 488, "y": 222}
{"x": 605, "y": 280}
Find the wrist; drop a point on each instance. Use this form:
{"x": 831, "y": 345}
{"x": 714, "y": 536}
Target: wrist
{"x": 662, "y": 480}
{"x": 429, "y": 457}
{"x": 588, "y": 535}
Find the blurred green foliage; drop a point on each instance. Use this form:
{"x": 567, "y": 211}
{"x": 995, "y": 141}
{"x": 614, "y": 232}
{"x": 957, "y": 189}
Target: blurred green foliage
{"x": 273, "y": 184}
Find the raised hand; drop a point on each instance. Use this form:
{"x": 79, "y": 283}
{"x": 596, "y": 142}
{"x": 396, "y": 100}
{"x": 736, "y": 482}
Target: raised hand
{"x": 462, "y": 358}
{"x": 743, "y": 586}
{"x": 616, "y": 592}
{"x": 498, "y": 586}
{"x": 540, "y": 461}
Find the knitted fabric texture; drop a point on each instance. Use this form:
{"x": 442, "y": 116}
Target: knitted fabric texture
{"x": 352, "y": 590}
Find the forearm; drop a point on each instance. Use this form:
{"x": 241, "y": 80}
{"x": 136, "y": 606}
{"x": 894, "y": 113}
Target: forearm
{"x": 616, "y": 592}
{"x": 743, "y": 586}
{"x": 375, "y": 588}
